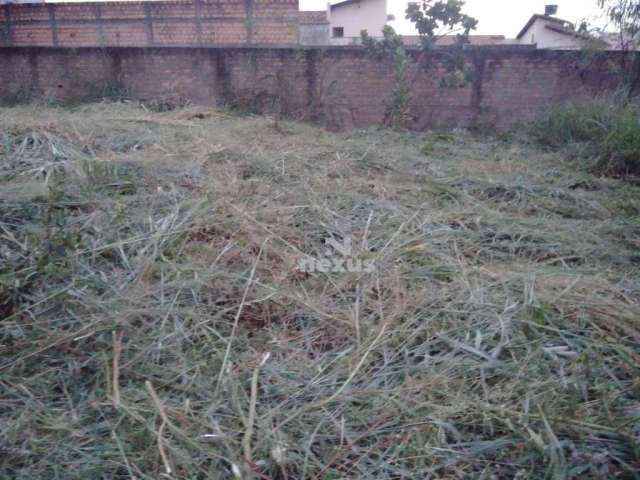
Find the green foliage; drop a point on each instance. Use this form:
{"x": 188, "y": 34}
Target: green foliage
{"x": 113, "y": 177}
{"x": 385, "y": 48}
{"x": 22, "y": 96}
{"x": 607, "y": 129}
{"x": 432, "y": 20}
{"x": 437, "y": 18}
{"x": 397, "y": 113}
{"x": 625, "y": 14}
{"x": 166, "y": 103}
{"x": 620, "y": 148}
{"x": 391, "y": 48}
{"x": 570, "y": 124}
{"x": 48, "y": 245}
{"x": 115, "y": 91}
{"x": 458, "y": 74}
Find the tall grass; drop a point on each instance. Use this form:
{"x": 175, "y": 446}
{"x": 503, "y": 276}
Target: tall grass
{"x": 154, "y": 323}
{"x": 606, "y": 130}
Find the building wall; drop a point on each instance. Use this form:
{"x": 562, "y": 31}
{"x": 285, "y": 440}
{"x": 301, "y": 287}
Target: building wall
{"x": 340, "y": 88}
{"x": 152, "y": 23}
{"x": 315, "y": 28}
{"x": 369, "y": 15}
{"x": 545, "y": 38}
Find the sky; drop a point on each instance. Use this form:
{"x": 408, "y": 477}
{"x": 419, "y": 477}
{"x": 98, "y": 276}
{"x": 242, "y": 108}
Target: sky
{"x": 499, "y": 17}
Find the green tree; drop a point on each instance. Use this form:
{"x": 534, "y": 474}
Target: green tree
{"x": 625, "y": 15}
{"x": 433, "y": 19}
{"x": 437, "y": 18}
{"x": 386, "y": 47}
{"x": 391, "y": 47}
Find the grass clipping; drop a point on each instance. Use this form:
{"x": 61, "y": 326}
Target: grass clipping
{"x": 469, "y": 308}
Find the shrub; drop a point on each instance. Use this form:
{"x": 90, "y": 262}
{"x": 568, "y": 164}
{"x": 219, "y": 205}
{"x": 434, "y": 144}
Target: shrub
{"x": 115, "y": 91}
{"x": 23, "y": 96}
{"x": 607, "y": 130}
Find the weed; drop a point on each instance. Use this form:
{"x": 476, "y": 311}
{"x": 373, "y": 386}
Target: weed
{"x": 115, "y": 91}
{"x": 606, "y": 131}
{"x": 24, "y": 95}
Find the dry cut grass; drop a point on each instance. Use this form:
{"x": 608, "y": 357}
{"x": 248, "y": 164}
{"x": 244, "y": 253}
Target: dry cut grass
{"x": 155, "y": 323}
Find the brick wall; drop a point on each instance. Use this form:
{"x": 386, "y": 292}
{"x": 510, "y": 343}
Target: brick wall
{"x": 337, "y": 87}
{"x": 314, "y": 28}
{"x": 145, "y": 24}
{"x": 319, "y": 17}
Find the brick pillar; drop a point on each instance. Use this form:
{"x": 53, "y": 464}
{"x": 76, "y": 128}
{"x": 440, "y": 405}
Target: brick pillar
{"x": 249, "y": 20}
{"x": 8, "y": 33}
{"x": 198, "y": 7}
{"x": 53, "y": 24}
{"x": 148, "y": 24}
{"x": 99, "y": 25}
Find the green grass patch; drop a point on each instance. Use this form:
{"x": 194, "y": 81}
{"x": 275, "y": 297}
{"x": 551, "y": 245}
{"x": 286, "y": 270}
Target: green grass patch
{"x": 604, "y": 131}
{"x": 155, "y": 323}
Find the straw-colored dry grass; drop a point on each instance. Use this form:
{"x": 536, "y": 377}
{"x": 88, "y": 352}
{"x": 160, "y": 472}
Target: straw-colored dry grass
{"x": 154, "y": 323}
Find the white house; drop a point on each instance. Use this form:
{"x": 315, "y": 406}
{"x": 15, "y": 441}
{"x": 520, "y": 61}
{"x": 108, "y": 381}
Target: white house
{"x": 343, "y": 21}
{"x": 549, "y": 32}
{"x": 349, "y": 17}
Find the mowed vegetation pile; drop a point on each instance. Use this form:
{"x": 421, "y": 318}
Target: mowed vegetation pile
{"x": 155, "y": 322}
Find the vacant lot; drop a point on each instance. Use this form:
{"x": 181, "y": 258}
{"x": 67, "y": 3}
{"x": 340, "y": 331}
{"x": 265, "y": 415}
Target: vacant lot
{"x": 155, "y": 321}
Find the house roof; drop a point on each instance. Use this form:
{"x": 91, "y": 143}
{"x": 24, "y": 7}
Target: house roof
{"x": 572, "y": 33}
{"x": 344, "y": 3}
{"x": 312, "y": 17}
{"x": 548, "y": 18}
{"x": 447, "y": 40}
{"x": 615, "y": 41}
{"x": 567, "y": 31}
